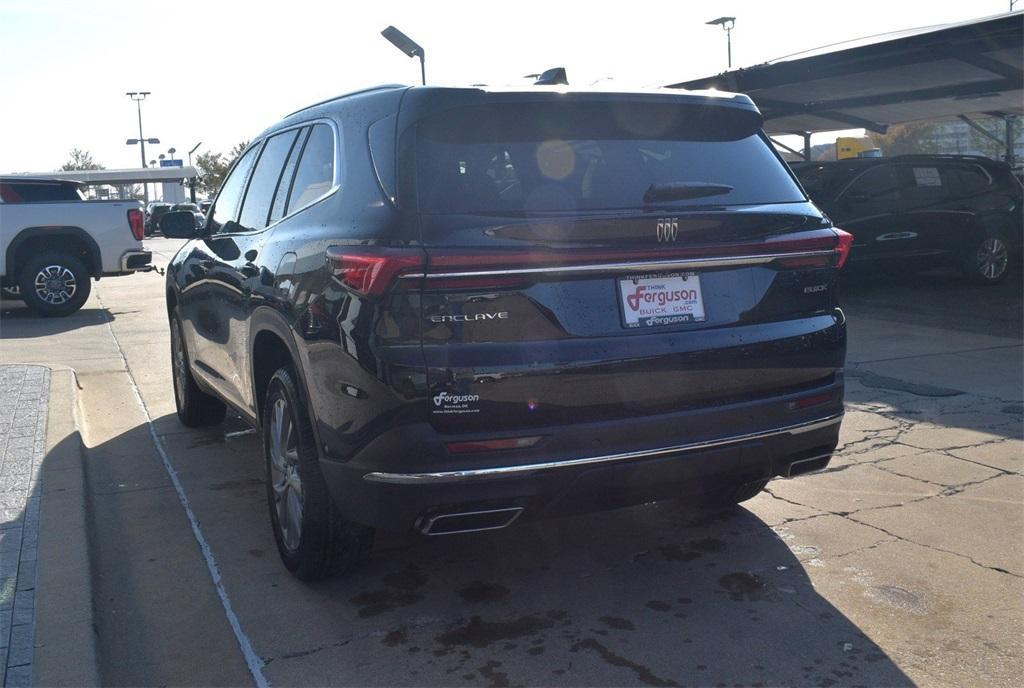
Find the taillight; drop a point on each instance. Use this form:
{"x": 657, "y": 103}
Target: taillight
{"x": 371, "y": 271}
{"x": 843, "y": 247}
{"x": 819, "y": 399}
{"x": 828, "y": 248}
{"x": 491, "y": 445}
{"x": 136, "y": 223}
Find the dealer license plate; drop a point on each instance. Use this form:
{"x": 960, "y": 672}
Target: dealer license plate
{"x": 655, "y": 300}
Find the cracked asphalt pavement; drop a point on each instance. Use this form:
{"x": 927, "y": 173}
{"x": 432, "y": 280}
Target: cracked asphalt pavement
{"x": 900, "y": 564}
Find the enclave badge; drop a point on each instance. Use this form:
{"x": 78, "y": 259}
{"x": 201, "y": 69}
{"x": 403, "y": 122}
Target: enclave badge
{"x": 667, "y": 229}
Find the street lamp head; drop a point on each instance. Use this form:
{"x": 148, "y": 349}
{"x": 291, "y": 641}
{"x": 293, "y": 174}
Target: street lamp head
{"x": 402, "y": 42}
{"x": 152, "y": 140}
{"x": 172, "y": 151}
{"x": 131, "y": 142}
{"x": 161, "y": 156}
{"x": 725, "y": 22}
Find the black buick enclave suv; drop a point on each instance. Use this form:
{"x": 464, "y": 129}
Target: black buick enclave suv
{"x": 446, "y": 309}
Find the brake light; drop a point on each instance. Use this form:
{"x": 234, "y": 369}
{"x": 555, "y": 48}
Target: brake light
{"x": 136, "y": 223}
{"x": 813, "y": 400}
{"x": 843, "y": 247}
{"x": 832, "y": 246}
{"x": 370, "y": 271}
{"x": 492, "y": 445}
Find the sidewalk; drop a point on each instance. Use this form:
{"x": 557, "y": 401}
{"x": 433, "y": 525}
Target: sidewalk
{"x": 24, "y": 394}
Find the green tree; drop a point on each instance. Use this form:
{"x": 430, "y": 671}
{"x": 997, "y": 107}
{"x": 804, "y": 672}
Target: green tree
{"x": 213, "y": 167}
{"x": 79, "y": 159}
{"x": 906, "y": 139}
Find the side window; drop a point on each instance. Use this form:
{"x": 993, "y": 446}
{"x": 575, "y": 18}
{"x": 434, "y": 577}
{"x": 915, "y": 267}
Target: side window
{"x": 315, "y": 174}
{"x": 973, "y": 180}
{"x": 285, "y": 183}
{"x": 260, "y": 195}
{"x": 225, "y": 210}
{"x": 924, "y": 184}
{"x": 875, "y": 185}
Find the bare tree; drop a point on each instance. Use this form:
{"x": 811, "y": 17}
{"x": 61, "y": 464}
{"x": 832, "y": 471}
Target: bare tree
{"x": 79, "y": 159}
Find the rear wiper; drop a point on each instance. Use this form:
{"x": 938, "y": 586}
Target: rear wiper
{"x": 677, "y": 191}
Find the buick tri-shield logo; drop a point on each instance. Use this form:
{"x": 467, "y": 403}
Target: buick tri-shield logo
{"x": 667, "y": 229}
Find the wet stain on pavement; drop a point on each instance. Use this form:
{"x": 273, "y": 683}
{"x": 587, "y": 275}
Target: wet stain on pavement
{"x": 258, "y": 553}
{"x": 899, "y": 598}
{"x": 617, "y": 623}
{"x": 643, "y": 673}
{"x": 401, "y": 592}
{"x": 743, "y": 586}
{"x": 480, "y": 633}
{"x": 658, "y": 606}
{"x": 397, "y": 637}
{"x": 479, "y": 592}
{"x": 677, "y": 553}
{"x": 243, "y": 488}
{"x": 495, "y": 678}
{"x": 707, "y": 545}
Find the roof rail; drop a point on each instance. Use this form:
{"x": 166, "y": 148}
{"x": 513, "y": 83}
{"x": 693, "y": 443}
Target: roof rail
{"x": 371, "y": 89}
{"x": 953, "y": 156}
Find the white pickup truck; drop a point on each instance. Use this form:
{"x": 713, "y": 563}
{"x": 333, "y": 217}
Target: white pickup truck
{"x": 53, "y": 243}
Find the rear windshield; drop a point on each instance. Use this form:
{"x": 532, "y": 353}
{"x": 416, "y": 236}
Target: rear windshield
{"x": 38, "y": 192}
{"x": 527, "y": 158}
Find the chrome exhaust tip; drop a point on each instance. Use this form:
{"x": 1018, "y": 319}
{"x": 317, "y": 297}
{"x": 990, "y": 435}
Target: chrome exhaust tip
{"x": 808, "y": 465}
{"x": 453, "y": 523}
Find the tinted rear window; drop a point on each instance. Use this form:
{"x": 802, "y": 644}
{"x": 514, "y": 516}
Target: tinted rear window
{"x": 525, "y": 158}
{"x": 21, "y": 192}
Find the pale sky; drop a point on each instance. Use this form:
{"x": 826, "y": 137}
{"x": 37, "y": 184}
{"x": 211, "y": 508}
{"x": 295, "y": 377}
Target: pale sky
{"x": 221, "y": 71}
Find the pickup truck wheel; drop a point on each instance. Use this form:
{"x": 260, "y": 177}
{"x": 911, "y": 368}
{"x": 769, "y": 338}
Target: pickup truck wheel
{"x": 54, "y": 284}
{"x": 313, "y": 540}
{"x": 988, "y": 259}
{"x": 195, "y": 407}
{"x": 10, "y": 293}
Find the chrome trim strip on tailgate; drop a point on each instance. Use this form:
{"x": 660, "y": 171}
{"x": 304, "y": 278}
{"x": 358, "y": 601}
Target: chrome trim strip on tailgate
{"x": 638, "y": 266}
{"x": 516, "y": 471}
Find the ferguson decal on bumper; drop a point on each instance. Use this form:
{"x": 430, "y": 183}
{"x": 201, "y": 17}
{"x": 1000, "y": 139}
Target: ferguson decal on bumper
{"x": 446, "y": 403}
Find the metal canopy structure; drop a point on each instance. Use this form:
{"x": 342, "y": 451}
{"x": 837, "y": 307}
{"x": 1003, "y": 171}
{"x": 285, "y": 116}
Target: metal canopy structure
{"x": 147, "y": 175}
{"x": 936, "y": 72}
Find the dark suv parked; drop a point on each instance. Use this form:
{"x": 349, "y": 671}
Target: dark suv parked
{"x": 446, "y": 309}
{"x": 923, "y": 210}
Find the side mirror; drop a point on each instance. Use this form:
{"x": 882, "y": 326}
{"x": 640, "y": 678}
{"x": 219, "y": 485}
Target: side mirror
{"x": 179, "y": 224}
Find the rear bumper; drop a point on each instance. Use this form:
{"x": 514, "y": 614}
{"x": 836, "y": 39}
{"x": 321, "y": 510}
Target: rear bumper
{"x": 132, "y": 261}
{"x": 707, "y": 450}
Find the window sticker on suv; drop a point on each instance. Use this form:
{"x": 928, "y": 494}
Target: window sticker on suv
{"x": 927, "y": 176}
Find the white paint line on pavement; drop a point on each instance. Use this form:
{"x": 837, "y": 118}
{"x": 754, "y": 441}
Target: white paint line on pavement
{"x": 252, "y": 660}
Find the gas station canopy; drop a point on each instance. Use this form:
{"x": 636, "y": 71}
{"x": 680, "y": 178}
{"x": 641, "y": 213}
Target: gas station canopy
{"x": 936, "y": 72}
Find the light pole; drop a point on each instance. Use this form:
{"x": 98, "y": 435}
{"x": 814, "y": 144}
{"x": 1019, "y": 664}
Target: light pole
{"x": 726, "y": 23}
{"x": 138, "y": 97}
{"x": 192, "y": 182}
{"x": 407, "y": 46}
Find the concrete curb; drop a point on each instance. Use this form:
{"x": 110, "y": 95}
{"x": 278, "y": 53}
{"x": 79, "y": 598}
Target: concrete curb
{"x": 65, "y": 644}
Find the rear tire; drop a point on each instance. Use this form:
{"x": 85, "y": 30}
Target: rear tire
{"x": 10, "y": 293}
{"x": 988, "y": 259}
{"x": 314, "y": 541}
{"x": 195, "y": 407}
{"x": 54, "y": 284}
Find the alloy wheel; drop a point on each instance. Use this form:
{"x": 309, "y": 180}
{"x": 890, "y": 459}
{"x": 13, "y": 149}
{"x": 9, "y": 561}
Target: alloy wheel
{"x": 179, "y": 363}
{"x": 285, "y": 479}
{"x": 55, "y": 285}
{"x": 992, "y": 258}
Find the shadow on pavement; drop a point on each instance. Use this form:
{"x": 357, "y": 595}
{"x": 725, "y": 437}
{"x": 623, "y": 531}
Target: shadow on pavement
{"x": 18, "y": 322}
{"x": 655, "y": 595}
